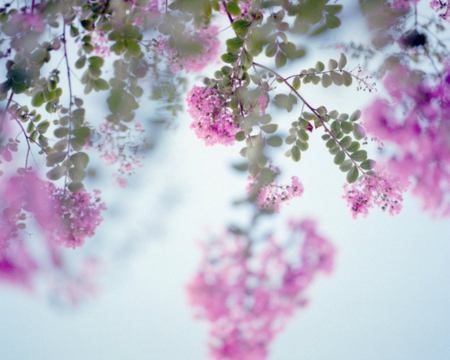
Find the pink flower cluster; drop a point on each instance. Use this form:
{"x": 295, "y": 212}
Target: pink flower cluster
{"x": 381, "y": 189}
{"x": 100, "y": 43}
{"x": 272, "y": 195}
{"x": 63, "y": 219}
{"x": 212, "y": 121}
{"x": 442, "y": 8}
{"x": 415, "y": 122}
{"x": 76, "y": 215}
{"x": 247, "y": 291}
{"x": 181, "y": 60}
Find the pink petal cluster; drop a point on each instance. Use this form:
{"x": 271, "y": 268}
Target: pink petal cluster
{"x": 247, "y": 291}
{"x": 415, "y": 122}
{"x": 442, "y": 8}
{"x": 17, "y": 265}
{"x": 100, "y": 43}
{"x": 380, "y": 189}
{"x": 272, "y": 195}
{"x": 63, "y": 219}
{"x": 212, "y": 121}
{"x": 178, "y": 60}
{"x": 77, "y": 216}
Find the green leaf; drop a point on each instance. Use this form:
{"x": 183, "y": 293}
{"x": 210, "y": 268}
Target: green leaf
{"x": 56, "y": 173}
{"x": 246, "y": 59}
{"x": 96, "y": 61}
{"x": 240, "y": 136}
{"x": 38, "y": 99}
{"x": 241, "y": 167}
{"x": 368, "y": 164}
{"x": 330, "y": 144}
{"x": 296, "y": 83}
{"x": 346, "y": 165}
{"x": 43, "y": 126}
{"x": 326, "y": 80}
{"x": 303, "y": 146}
{"x": 254, "y": 170}
{"x": 356, "y": 115}
{"x": 359, "y": 132}
{"x": 61, "y": 132}
{"x": 347, "y": 78}
{"x": 77, "y": 143}
{"x": 332, "y": 21}
{"x": 80, "y": 160}
{"x": 241, "y": 27}
{"x": 269, "y": 128}
{"x": 354, "y": 146}
{"x": 133, "y": 47}
{"x": 75, "y": 187}
{"x": 82, "y": 132}
{"x": 280, "y": 59}
{"x": 290, "y": 139}
{"x": 346, "y": 141}
{"x": 267, "y": 176}
{"x": 303, "y": 135}
{"x": 352, "y": 175}
{"x": 296, "y": 154}
{"x": 337, "y": 78}
{"x": 265, "y": 119}
{"x": 346, "y": 127}
{"x": 339, "y": 158}
{"x": 271, "y": 49}
{"x": 77, "y": 174}
{"x": 100, "y": 84}
{"x": 233, "y": 8}
{"x": 342, "y": 61}
{"x": 335, "y": 127}
{"x": 332, "y": 64}
{"x": 359, "y": 155}
{"x": 80, "y": 62}
{"x": 235, "y": 43}
{"x": 55, "y": 157}
{"x": 320, "y": 66}
{"x": 275, "y": 141}
{"x": 229, "y": 58}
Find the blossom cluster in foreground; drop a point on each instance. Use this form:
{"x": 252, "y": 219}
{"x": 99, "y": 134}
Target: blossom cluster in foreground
{"x": 247, "y": 291}
{"x": 212, "y": 121}
{"x": 420, "y": 135}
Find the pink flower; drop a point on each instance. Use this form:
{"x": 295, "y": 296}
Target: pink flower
{"x": 272, "y": 195}
{"x": 441, "y": 7}
{"x": 247, "y": 291}
{"x": 414, "y": 122}
{"x": 381, "y": 189}
{"x": 212, "y": 121}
